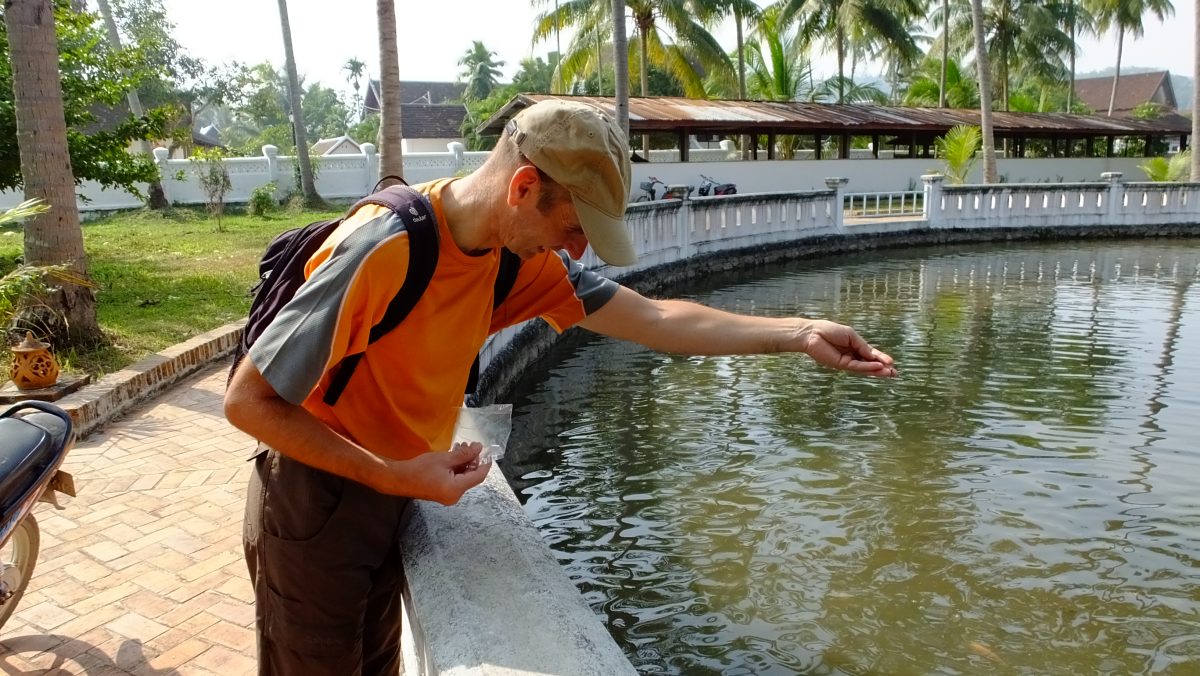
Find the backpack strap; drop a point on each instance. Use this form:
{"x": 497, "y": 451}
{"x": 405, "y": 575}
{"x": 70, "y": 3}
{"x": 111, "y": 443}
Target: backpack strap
{"x": 510, "y": 266}
{"x": 416, "y": 214}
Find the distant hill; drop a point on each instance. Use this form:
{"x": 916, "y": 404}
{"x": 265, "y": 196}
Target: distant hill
{"x": 1182, "y": 85}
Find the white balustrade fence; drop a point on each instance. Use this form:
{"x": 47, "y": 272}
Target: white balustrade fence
{"x": 1107, "y": 202}
{"x": 883, "y": 204}
{"x": 669, "y": 231}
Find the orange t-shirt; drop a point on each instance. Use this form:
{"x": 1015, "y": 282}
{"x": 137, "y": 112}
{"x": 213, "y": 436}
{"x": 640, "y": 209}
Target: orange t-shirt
{"x": 405, "y": 392}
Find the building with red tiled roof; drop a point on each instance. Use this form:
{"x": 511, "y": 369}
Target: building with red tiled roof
{"x": 1132, "y": 91}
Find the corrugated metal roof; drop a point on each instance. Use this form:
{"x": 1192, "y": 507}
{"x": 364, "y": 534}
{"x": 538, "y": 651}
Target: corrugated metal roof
{"x": 718, "y": 116}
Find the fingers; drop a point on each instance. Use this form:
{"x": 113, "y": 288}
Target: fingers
{"x": 855, "y": 354}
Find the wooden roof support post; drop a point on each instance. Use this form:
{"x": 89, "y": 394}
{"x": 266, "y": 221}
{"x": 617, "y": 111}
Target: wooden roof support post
{"x": 1146, "y": 149}
{"x": 754, "y": 146}
{"x": 1069, "y": 149}
{"x": 817, "y": 146}
{"x": 1108, "y": 145}
{"x": 844, "y": 147}
{"x": 875, "y": 145}
{"x": 770, "y": 145}
{"x": 683, "y": 145}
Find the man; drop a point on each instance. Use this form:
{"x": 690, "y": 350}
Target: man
{"x": 331, "y": 482}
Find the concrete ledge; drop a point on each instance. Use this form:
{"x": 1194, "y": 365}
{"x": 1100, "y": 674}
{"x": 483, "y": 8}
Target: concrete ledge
{"x": 486, "y": 596}
{"x": 93, "y": 406}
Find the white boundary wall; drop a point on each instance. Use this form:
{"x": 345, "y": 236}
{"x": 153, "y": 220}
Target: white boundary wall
{"x": 352, "y": 176}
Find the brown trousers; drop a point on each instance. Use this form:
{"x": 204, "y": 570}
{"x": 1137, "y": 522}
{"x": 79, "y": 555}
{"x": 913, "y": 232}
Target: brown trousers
{"x": 324, "y": 559}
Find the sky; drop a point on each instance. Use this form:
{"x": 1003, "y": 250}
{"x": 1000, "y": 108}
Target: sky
{"x": 433, "y": 34}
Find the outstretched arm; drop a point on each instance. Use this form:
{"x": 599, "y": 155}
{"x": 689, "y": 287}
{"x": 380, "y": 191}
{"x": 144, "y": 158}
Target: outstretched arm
{"x": 253, "y": 406}
{"x": 690, "y": 328}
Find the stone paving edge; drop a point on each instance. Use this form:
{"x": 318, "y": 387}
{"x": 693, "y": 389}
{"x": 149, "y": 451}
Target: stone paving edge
{"x": 95, "y": 405}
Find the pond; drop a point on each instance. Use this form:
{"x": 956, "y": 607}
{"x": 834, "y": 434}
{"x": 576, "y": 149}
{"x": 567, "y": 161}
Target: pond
{"x": 1024, "y": 498}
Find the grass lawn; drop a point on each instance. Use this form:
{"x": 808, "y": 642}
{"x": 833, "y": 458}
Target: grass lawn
{"x": 165, "y": 277}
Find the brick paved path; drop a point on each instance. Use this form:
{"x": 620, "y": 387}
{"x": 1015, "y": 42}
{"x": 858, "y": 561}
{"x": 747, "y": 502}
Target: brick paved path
{"x": 142, "y": 573}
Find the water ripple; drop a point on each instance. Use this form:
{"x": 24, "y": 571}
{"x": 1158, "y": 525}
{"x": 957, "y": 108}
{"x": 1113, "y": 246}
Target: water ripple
{"x": 1021, "y": 500}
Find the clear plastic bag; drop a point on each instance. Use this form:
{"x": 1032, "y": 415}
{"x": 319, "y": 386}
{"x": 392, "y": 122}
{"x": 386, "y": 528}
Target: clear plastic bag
{"x": 489, "y": 425}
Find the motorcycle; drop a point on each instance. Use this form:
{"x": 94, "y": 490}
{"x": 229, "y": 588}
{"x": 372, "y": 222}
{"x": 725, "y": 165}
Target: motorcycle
{"x": 648, "y": 190}
{"x": 709, "y": 185}
{"x": 33, "y": 445}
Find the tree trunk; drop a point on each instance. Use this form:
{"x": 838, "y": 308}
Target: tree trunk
{"x": 990, "y": 173}
{"x": 741, "y": 47}
{"x": 54, "y": 237}
{"x": 841, "y": 58}
{"x": 158, "y": 199}
{"x": 391, "y": 134}
{"x": 1196, "y": 96}
{"x": 308, "y": 186}
{"x": 621, "y": 66}
{"x": 644, "y": 59}
{"x": 1071, "y": 90}
{"x": 1112, "y": 98}
{"x": 945, "y": 51}
{"x": 599, "y": 65}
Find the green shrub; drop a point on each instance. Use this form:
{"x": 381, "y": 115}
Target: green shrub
{"x": 957, "y": 149}
{"x": 1176, "y": 169}
{"x": 209, "y": 165}
{"x": 262, "y": 200}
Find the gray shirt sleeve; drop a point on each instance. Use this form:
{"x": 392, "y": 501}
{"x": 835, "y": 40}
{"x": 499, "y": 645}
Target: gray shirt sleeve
{"x": 293, "y": 352}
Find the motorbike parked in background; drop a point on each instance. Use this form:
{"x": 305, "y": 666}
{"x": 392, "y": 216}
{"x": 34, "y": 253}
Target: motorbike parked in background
{"x": 710, "y": 186}
{"x": 34, "y": 439}
{"x": 648, "y": 194}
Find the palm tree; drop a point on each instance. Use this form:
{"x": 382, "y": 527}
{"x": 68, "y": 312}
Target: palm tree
{"x": 779, "y": 65}
{"x": 1024, "y": 38}
{"x": 481, "y": 71}
{"x": 53, "y": 237}
{"x": 158, "y": 199}
{"x": 308, "y": 186}
{"x": 668, "y": 35}
{"x": 1079, "y": 20}
{"x": 354, "y": 71}
{"x": 877, "y": 21}
{"x": 391, "y": 135}
{"x": 985, "y": 94}
{"x": 1125, "y": 16}
{"x": 958, "y": 90}
{"x": 711, "y": 11}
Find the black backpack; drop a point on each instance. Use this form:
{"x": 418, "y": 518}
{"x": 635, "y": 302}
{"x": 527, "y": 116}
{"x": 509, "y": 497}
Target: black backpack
{"x": 281, "y": 272}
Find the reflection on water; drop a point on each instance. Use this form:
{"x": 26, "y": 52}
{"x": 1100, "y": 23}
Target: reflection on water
{"x": 1023, "y": 499}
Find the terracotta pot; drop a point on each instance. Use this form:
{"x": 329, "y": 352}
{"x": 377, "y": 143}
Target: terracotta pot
{"x": 33, "y": 367}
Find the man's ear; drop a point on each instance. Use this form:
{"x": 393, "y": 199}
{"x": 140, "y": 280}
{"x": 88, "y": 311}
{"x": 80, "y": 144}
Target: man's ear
{"x": 525, "y": 182}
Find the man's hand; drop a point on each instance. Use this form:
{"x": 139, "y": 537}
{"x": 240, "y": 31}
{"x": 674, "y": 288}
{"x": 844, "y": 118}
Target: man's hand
{"x": 440, "y": 477}
{"x": 840, "y": 347}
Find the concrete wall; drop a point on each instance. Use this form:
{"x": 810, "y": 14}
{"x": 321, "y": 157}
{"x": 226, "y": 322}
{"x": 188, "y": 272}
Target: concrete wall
{"x": 351, "y": 176}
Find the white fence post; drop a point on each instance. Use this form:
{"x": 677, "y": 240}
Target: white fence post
{"x": 456, "y": 150}
{"x": 272, "y": 154}
{"x": 1116, "y": 196}
{"x": 838, "y": 185}
{"x": 370, "y": 167}
{"x": 932, "y": 208}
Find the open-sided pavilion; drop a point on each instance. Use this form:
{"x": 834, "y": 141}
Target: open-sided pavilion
{"x": 911, "y": 132}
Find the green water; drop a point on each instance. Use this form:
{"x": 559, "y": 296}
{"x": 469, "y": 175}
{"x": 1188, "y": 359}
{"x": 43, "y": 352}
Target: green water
{"x": 1024, "y": 499}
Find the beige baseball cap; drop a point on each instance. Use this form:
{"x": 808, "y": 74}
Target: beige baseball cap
{"x": 583, "y": 150}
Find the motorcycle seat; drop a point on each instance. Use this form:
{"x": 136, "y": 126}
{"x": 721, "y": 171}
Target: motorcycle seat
{"x": 27, "y": 451}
